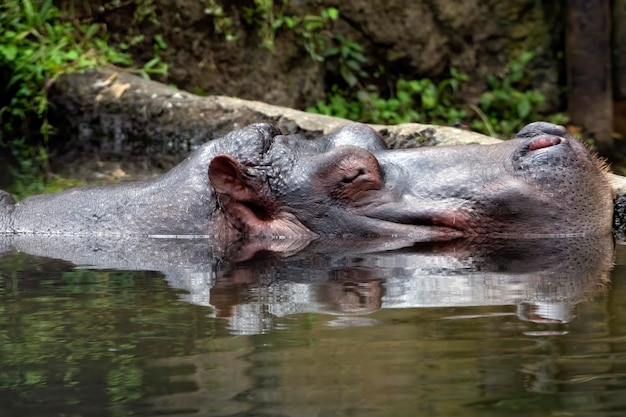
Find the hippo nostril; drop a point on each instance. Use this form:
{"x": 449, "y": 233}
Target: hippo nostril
{"x": 543, "y": 142}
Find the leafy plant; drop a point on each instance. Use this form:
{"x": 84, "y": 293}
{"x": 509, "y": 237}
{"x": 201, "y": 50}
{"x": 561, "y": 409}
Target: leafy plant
{"x": 501, "y": 110}
{"x": 351, "y": 58}
{"x": 311, "y": 30}
{"x": 270, "y": 17}
{"x": 338, "y": 105}
{"x": 506, "y": 106}
{"x": 412, "y": 101}
{"x": 156, "y": 65}
{"x": 36, "y": 46}
{"x": 267, "y": 20}
{"x": 222, "y": 23}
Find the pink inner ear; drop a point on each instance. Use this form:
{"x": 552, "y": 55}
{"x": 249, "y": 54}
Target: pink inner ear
{"x": 242, "y": 195}
{"x": 247, "y": 205}
{"x": 225, "y": 175}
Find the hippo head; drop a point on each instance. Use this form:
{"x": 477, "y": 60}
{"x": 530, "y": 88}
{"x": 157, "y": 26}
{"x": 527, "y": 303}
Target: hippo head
{"x": 541, "y": 183}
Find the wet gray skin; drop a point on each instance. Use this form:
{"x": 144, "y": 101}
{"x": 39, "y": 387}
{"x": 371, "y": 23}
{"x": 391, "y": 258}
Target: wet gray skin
{"x": 256, "y": 182}
{"x": 544, "y": 183}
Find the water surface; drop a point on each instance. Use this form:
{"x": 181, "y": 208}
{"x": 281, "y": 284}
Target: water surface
{"x": 434, "y": 331}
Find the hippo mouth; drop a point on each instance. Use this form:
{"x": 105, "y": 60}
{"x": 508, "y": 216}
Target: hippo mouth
{"x": 443, "y": 219}
{"x": 414, "y": 230}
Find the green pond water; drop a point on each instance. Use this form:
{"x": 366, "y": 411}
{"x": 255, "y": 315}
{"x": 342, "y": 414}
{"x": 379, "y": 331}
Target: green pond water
{"x": 360, "y": 335}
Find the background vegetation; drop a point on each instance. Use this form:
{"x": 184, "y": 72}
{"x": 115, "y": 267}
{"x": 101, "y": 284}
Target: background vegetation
{"x": 38, "y": 43}
{"x": 36, "y": 46}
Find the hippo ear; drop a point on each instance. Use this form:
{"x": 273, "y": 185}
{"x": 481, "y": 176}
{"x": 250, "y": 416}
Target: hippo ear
{"x": 228, "y": 177}
{"x": 349, "y": 171}
{"x": 248, "y": 203}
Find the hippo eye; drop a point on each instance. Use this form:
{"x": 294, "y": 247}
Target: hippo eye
{"x": 347, "y": 172}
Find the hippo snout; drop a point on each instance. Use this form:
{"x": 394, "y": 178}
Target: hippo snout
{"x": 544, "y": 147}
{"x": 541, "y": 135}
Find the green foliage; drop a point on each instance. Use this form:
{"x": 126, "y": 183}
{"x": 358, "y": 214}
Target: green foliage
{"x": 267, "y": 20}
{"x": 501, "y": 110}
{"x": 145, "y": 10}
{"x": 154, "y": 66}
{"x": 28, "y": 183}
{"x": 351, "y": 58}
{"x": 36, "y": 46}
{"x": 506, "y": 106}
{"x": 269, "y": 16}
{"x": 338, "y": 105}
{"x": 412, "y": 101}
{"x": 222, "y": 23}
{"x": 311, "y": 29}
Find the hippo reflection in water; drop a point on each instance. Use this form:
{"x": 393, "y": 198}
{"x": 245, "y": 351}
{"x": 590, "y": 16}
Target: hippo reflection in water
{"x": 258, "y": 183}
{"x": 544, "y": 278}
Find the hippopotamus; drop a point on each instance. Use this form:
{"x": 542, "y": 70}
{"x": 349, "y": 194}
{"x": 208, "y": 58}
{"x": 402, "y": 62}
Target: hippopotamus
{"x": 258, "y": 183}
